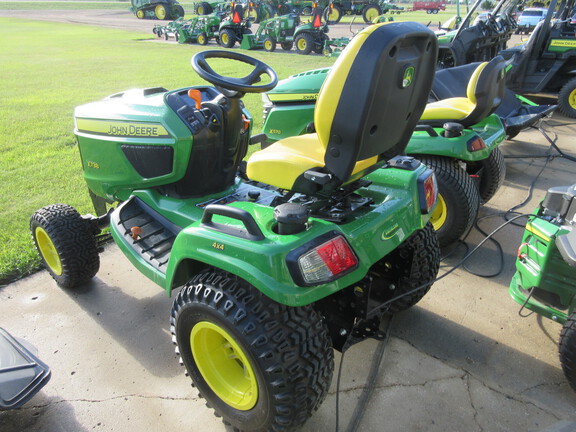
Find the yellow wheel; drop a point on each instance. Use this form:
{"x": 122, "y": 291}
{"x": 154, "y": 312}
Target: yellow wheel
{"x": 567, "y": 99}
{"x": 140, "y": 14}
{"x": 439, "y": 215}
{"x": 160, "y": 12}
{"x": 66, "y": 244}
{"x": 250, "y": 357}
{"x": 304, "y": 43}
{"x": 269, "y": 44}
{"x": 458, "y": 199}
{"x": 48, "y": 251}
{"x": 224, "y": 365}
{"x": 370, "y": 12}
{"x": 202, "y": 39}
{"x": 227, "y": 38}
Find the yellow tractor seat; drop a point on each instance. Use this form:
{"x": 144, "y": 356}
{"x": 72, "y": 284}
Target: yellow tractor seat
{"x": 484, "y": 93}
{"x": 365, "y": 114}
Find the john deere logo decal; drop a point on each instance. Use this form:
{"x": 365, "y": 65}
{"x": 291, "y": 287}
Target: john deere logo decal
{"x": 408, "y": 76}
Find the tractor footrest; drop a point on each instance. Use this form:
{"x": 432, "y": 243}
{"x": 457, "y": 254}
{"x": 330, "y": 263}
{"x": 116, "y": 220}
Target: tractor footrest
{"x": 149, "y": 233}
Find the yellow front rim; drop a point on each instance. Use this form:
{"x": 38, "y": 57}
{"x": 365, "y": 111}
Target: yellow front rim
{"x": 440, "y": 214}
{"x": 201, "y": 40}
{"x": 334, "y": 15}
{"x": 572, "y": 99}
{"x": 224, "y": 365}
{"x": 371, "y": 14}
{"x": 160, "y": 12}
{"x": 48, "y": 251}
{"x": 267, "y": 45}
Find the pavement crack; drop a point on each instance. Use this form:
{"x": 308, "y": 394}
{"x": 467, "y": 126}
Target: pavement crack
{"x": 466, "y": 378}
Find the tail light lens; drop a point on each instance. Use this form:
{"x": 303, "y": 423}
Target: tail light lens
{"x": 475, "y": 144}
{"x": 327, "y": 261}
{"x": 427, "y": 191}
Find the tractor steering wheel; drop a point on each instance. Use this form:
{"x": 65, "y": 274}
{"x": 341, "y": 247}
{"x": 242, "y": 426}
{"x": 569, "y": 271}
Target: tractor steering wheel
{"x": 238, "y": 85}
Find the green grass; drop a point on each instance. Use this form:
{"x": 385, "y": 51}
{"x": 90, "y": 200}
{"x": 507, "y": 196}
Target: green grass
{"x": 47, "y": 69}
{"x": 72, "y": 4}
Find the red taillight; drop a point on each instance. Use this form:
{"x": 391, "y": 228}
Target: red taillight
{"x": 476, "y": 144}
{"x": 427, "y": 191}
{"x": 326, "y": 261}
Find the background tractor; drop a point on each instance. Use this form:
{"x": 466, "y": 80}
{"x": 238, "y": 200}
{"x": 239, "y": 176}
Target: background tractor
{"x": 157, "y": 9}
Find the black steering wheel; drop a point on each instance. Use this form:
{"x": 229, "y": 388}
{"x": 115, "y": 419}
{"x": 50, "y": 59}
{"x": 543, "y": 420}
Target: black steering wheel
{"x": 239, "y": 85}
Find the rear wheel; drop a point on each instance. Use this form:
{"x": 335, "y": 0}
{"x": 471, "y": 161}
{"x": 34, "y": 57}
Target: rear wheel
{"x": 492, "y": 172}
{"x": 66, "y": 244}
{"x": 160, "y": 12}
{"x": 203, "y": 8}
{"x": 227, "y": 38}
{"x": 252, "y": 13}
{"x": 178, "y": 11}
{"x": 458, "y": 199}
{"x": 370, "y": 12}
{"x": 567, "y": 350}
{"x": 567, "y": 99}
{"x": 332, "y": 15}
{"x": 259, "y": 364}
{"x": 413, "y": 264}
{"x": 304, "y": 43}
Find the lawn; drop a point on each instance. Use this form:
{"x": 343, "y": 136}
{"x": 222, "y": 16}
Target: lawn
{"x": 46, "y": 70}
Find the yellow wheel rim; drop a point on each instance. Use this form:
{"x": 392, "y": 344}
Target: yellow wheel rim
{"x": 140, "y": 14}
{"x": 302, "y": 44}
{"x": 267, "y": 45}
{"x": 224, "y": 38}
{"x": 201, "y": 39}
{"x": 200, "y": 10}
{"x": 160, "y": 12}
{"x": 334, "y": 15}
{"x": 440, "y": 214}
{"x": 572, "y": 99}
{"x": 224, "y": 365}
{"x": 371, "y": 14}
{"x": 253, "y": 13}
{"x": 48, "y": 251}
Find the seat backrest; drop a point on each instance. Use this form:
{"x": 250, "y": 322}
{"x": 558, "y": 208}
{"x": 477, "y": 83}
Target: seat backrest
{"x": 485, "y": 89}
{"x": 374, "y": 94}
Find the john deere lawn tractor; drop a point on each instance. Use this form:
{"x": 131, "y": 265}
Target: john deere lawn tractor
{"x": 458, "y": 137}
{"x": 157, "y": 9}
{"x": 276, "y": 260}
{"x": 233, "y": 28}
{"x": 545, "y": 280}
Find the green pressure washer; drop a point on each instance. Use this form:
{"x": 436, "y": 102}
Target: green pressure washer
{"x": 279, "y": 259}
{"x": 545, "y": 278}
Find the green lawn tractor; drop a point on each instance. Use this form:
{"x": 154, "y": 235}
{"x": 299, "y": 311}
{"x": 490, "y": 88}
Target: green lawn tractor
{"x": 233, "y": 28}
{"x": 287, "y": 30}
{"x": 546, "y": 63}
{"x": 201, "y": 29}
{"x": 545, "y": 278}
{"x": 279, "y": 259}
{"x": 157, "y": 9}
{"x": 457, "y": 137}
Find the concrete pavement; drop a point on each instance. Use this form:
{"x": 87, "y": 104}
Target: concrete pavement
{"x": 461, "y": 360}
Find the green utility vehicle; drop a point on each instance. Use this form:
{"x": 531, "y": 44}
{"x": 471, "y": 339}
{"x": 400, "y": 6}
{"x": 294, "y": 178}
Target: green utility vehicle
{"x": 157, "y": 9}
{"x": 545, "y": 280}
{"x": 288, "y": 30}
{"x": 277, "y": 260}
{"x": 546, "y": 63}
{"x": 458, "y": 138}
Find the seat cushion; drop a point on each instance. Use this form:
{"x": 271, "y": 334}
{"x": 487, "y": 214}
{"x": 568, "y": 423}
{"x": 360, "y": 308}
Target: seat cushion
{"x": 284, "y": 161}
{"x": 455, "y": 108}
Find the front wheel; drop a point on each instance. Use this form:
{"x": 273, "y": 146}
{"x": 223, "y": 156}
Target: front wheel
{"x": 259, "y": 364}
{"x": 458, "y": 199}
{"x": 567, "y": 99}
{"x": 269, "y": 44}
{"x": 66, "y": 245}
{"x": 160, "y": 12}
{"x": 202, "y": 39}
{"x": 140, "y": 14}
{"x": 567, "y": 350}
